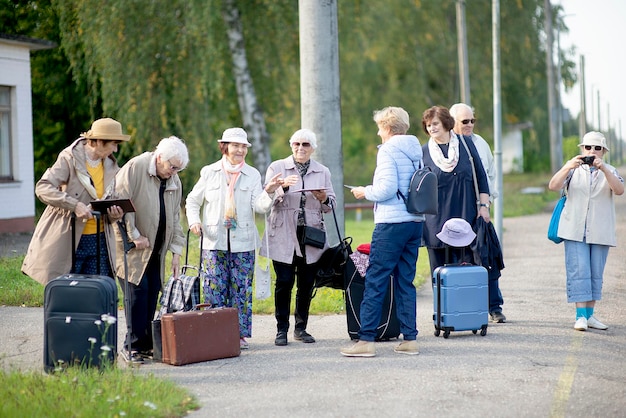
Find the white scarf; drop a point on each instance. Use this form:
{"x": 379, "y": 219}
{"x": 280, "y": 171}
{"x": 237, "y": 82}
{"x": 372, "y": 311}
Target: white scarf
{"x": 445, "y": 164}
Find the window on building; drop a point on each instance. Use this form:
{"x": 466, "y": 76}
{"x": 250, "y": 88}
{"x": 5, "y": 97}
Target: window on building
{"x": 6, "y": 170}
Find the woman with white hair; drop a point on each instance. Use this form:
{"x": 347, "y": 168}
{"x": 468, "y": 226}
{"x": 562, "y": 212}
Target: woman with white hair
{"x": 151, "y": 182}
{"x": 587, "y": 224}
{"x": 306, "y": 193}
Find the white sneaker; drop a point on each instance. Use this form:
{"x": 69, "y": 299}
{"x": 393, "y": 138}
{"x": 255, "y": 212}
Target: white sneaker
{"x": 581, "y": 324}
{"x": 594, "y": 323}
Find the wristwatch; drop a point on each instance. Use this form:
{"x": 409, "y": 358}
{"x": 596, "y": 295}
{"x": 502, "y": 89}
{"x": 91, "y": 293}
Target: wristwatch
{"x": 487, "y": 205}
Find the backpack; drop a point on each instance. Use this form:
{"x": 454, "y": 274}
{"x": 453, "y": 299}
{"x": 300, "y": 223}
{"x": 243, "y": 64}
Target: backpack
{"x": 423, "y": 196}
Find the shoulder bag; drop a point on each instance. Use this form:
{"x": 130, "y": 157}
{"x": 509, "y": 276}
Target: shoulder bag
{"x": 553, "y": 227}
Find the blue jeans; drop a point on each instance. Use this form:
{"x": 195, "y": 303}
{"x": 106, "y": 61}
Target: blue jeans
{"x": 394, "y": 252}
{"x": 584, "y": 267}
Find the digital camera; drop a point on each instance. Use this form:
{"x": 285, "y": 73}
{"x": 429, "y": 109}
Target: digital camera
{"x": 588, "y": 159}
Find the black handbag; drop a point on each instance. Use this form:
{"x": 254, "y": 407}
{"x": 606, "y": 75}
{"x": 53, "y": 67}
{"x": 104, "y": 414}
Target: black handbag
{"x": 330, "y": 268}
{"x": 314, "y": 237}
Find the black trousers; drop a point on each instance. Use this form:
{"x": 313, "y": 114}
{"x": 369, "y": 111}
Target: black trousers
{"x": 286, "y": 275}
{"x": 143, "y": 302}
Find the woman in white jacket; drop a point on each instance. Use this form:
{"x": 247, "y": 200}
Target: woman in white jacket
{"x": 587, "y": 224}
{"x": 221, "y": 206}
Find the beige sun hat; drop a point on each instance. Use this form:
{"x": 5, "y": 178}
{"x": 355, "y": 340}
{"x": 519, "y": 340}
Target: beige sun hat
{"x": 594, "y": 138}
{"x": 107, "y": 129}
{"x": 236, "y": 135}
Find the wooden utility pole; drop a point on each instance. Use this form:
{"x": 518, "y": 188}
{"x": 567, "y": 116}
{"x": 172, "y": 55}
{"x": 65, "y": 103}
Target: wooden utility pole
{"x": 319, "y": 90}
{"x": 498, "y": 211}
{"x": 582, "y": 117}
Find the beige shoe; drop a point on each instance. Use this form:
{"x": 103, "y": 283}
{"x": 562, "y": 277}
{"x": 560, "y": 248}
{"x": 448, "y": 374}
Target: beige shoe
{"x": 407, "y": 347}
{"x": 360, "y": 349}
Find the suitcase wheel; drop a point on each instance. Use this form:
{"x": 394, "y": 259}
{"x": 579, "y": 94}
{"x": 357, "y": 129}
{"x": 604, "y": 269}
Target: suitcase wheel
{"x": 474, "y": 331}
{"x": 437, "y": 332}
{"x": 446, "y": 333}
{"x": 483, "y": 330}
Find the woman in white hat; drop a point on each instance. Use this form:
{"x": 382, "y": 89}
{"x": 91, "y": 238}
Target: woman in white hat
{"x": 221, "y": 206}
{"x": 587, "y": 224}
{"x": 83, "y": 172}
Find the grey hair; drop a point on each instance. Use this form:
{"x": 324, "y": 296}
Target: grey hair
{"x": 304, "y": 134}
{"x": 173, "y": 147}
{"x": 457, "y": 106}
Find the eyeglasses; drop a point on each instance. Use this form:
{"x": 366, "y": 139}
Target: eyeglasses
{"x": 173, "y": 167}
{"x": 597, "y": 147}
{"x": 303, "y": 144}
{"x": 466, "y": 121}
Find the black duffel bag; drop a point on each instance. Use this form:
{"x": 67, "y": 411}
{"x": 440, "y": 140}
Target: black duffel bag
{"x": 330, "y": 268}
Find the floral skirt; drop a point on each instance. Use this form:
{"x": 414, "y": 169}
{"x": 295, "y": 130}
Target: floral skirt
{"x": 227, "y": 281}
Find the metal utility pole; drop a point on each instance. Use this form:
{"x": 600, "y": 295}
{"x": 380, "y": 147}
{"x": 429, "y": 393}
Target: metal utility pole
{"x": 582, "y": 117}
{"x": 319, "y": 89}
{"x": 556, "y": 149}
{"x": 461, "y": 35}
{"x": 498, "y": 211}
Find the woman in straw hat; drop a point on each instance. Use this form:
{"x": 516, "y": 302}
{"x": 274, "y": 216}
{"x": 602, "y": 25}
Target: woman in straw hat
{"x": 83, "y": 172}
{"x": 222, "y": 206}
{"x": 587, "y": 224}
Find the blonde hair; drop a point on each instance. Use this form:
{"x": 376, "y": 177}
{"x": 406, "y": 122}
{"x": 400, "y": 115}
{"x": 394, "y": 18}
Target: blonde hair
{"x": 396, "y": 119}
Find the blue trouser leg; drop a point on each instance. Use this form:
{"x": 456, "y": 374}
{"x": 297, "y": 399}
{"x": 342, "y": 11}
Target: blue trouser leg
{"x": 394, "y": 252}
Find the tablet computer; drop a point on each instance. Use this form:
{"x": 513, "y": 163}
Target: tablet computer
{"x": 102, "y": 205}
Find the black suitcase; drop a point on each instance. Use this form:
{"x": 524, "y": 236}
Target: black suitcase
{"x": 80, "y": 318}
{"x": 389, "y": 326}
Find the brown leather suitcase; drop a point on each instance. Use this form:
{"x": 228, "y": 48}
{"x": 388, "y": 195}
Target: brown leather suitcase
{"x": 195, "y": 336}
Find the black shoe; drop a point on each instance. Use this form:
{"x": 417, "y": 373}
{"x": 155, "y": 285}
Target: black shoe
{"x": 302, "y": 335}
{"x": 498, "y": 317}
{"x": 131, "y": 357}
{"x": 281, "y": 338}
{"x": 146, "y": 354}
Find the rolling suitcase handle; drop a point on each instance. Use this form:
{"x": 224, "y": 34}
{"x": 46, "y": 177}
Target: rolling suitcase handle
{"x": 98, "y": 217}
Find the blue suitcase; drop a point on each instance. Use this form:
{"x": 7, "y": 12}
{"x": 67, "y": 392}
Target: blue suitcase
{"x": 460, "y": 299}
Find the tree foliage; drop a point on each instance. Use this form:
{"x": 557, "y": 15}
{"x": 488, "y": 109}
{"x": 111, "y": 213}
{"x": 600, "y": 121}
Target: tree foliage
{"x": 163, "y": 67}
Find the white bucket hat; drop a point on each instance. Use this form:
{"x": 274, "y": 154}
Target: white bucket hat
{"x": 235, "y": 135}
{"x": 457, "y": 232}
{"x": 594, "y": 138}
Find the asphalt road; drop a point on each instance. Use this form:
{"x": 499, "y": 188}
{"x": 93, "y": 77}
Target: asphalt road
{"x": 535, "y": 365}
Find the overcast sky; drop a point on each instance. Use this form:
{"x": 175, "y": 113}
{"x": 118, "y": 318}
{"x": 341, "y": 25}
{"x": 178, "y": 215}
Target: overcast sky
{"x": 598, "y": 30}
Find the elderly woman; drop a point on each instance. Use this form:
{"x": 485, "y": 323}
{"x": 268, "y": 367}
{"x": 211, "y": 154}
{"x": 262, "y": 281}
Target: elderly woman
{"x": 151, "y": 182}
{"x": 221, "y": 206}
{"x": 83, "y": 172}
{"x": 454, "y": 161}
{"x": 396, "y": 237}
{"x": 587, "y": 224}
{"x": 305, "y": 194}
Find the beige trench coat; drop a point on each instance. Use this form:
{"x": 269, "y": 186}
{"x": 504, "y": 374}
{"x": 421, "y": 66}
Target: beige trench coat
{"x": 61, "y": 187}
{"x": 138, "y": 181}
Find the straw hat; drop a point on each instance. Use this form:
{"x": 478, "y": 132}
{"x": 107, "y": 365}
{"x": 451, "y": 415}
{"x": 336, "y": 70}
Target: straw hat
{"x": 106, "y": 129}
{"x": 457, "y": 232}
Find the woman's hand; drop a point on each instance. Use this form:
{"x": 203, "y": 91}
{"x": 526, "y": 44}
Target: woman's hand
{"x": 83, "y": 211}
{"x": 484, "y": 212}
{"x": 141, "y": 243}
{"x": 175, "y": 264}
{"x": 115, "y": 213}
{"x": 290, "y": 180}
{"x": 196, "y": 228}
{"x": 274, "y": 183}
{"x": 358, "y": 192}
{"x": 319, "y": 195}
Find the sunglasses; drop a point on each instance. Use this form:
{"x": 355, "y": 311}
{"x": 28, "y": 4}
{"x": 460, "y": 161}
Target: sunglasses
{"x": 597, "y": 147}
{"x": 303, "y": 144}
{"x": 466, "y": 121}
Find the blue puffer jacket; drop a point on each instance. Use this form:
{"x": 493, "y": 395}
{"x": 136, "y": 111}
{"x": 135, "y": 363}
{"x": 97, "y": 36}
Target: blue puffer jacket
{"x": 397, "y": 160}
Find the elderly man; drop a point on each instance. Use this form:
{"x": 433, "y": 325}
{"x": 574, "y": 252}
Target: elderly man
{"x": 464, "y": 125}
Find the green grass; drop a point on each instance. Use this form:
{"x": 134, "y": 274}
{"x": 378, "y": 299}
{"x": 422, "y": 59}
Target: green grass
{"x": 81, "y": 392}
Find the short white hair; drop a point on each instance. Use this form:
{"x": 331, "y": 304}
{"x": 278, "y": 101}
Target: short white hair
{"x": 306, "y": 135}
{"x": 457, "y": 106}
{"x": 173, "y": 147}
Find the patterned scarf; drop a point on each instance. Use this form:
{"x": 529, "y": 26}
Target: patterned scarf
{"x": 302, "y": 169}
{"x": 445, "y": 164}
{"x": 232, "y": 174}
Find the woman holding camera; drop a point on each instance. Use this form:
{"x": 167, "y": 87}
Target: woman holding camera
{"x": 587, "y": 224}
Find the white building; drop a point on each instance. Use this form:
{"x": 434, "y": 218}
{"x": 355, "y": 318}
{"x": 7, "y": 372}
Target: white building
{"x": 17, "y": 194}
